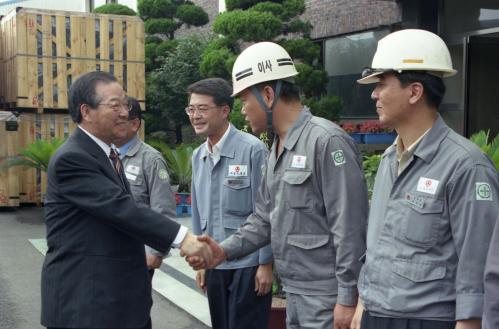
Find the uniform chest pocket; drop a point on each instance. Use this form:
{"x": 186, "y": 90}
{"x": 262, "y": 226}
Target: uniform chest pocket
{"x": 237, "y": 196}
{"x": 296, "y": 189}
{"x": 422, "y": 223}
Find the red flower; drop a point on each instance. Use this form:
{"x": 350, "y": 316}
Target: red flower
{"x": 350, "y": 127}
{"x": 188, "y": 200}
{"x": 177, "y": 199}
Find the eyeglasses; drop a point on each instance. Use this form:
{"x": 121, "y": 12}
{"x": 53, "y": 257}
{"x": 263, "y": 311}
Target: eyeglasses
{"x": 117, "y": 106}
{"x": 202, "y": 109}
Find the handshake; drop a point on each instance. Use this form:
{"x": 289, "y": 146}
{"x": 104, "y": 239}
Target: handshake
{"x": 201, "y": 251}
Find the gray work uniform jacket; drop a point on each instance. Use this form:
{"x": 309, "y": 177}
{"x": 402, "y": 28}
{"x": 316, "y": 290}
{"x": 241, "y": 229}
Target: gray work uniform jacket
{"x": 223, "y": 195}
{"x": 147, "y": 174}
{"x": 312, "y": 206}
{"x": 429, "y": 230}
{"x": 491, "y": 301}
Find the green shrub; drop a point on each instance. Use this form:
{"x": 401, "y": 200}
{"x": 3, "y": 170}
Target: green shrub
{"x": 215, "y": 63}
{"x": 304, "y": 49}
{"x": 248, "y": 25}
{"x": 311, "y": 81}
{"x": 481, "y": 139}
{"x": 35, "y": 155}
{"x": 115, "y": 9}
{"x": 240, "y": 4}
{"x": 327, "y": 107}
{"x": 268, "y": 7}
{"x": 236, "y": 117}
{"x": 298, "y": 26}
{"x": 156, "y": 9}
{"x": 160, "y": 25}
{"x": 293, "y": 8}
{"x": 179, "y": 163}
{"x": 166, "y": 47}
{"x": 152, "y": 39}
{"x": 192, "y": 15}
{"x": 371, "y": 165}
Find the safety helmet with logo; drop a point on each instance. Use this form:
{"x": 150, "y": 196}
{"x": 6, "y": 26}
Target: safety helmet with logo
{"x": 409, "y": 50}
{"x": 261, "y": 62}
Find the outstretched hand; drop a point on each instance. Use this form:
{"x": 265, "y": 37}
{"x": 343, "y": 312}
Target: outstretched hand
{"x": 192, "y": 247}
{"x": 218, "y": 254}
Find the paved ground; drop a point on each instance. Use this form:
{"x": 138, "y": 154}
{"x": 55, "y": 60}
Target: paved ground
{"x": 177, "y": 302}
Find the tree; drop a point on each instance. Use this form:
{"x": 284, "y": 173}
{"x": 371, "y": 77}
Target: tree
{"x": 166, "y": 94}
{"x": 115, "y": 9}
{"x": 277, "y": 20}
{"x": 161, "y": 19}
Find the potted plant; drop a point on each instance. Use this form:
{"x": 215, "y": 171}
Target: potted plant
{"x": 488, "y": 146}
{"x": 376, "y": 133}
{"x": 353, "y": 130}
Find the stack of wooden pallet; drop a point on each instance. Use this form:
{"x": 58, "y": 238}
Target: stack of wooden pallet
{"x": 41, "y": 53}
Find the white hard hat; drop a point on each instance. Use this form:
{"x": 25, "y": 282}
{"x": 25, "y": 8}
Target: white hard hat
{"x": 263, "y": 61}
{"x": 410, "y": 50}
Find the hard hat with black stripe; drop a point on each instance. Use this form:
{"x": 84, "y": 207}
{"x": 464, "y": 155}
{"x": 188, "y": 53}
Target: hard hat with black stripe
{"x": 261, "y": 62}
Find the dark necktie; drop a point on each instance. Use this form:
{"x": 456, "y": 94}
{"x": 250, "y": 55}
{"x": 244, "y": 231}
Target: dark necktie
{"x": 115, "y": 159}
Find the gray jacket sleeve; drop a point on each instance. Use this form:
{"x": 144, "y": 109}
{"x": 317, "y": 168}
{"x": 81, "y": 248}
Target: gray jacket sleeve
{"x": 196, "y": 221}
{"x": 490, "y": 318}
{"x": 161, "y": 197}
{"x": 472, "y": 219}
{"x": 255, "y": 232}
{"x": 259, "y": 159}
{"x": 345, "y": 198}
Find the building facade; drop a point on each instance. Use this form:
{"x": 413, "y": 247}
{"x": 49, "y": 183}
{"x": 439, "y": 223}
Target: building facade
{"x": 348, "y": 32}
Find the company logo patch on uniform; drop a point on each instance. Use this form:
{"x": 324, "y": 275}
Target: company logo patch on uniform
{"x": 163, "y": 174}
{"x": 427, "y": 185}
{"x": 338, "y": 158}
{"x": 299, "y": 161}
{"x": 132, "y": 169}
{"x": 238, "y": 170}
{"x": 483, "y": 191}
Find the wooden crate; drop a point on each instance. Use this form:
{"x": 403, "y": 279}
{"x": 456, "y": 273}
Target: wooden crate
{"x": 43, "y": 51}
{"x": 32, "y": 127}
{"x": 9, "y": 184}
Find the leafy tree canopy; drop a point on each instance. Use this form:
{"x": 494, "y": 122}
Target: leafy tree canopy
{"x": 115, "y": 9}
{"x": 248, "y": 25}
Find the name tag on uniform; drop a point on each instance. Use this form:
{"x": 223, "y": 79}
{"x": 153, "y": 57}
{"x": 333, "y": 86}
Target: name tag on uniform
{"x": 134, "y": 170}
{"x": 130, "y": 177}
{"x": 427, "y": 185}
{"x": 299, "y": 161}
{"x": 415, "y": 200}
{"x": 238, "y": 170}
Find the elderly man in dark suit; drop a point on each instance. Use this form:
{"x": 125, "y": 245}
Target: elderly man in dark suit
{"x": 95, "y": 273}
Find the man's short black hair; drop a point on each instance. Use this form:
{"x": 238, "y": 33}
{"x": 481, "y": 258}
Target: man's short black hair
{"x": 135, "y": 110}
{"x": 217, "y": 88}
{"x": 289, "y": 91}
{"x": 82, "y": 91}
{"x": 433, "y": 86}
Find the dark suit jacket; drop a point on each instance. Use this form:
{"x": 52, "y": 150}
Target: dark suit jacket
{"x": 95, "y": 274}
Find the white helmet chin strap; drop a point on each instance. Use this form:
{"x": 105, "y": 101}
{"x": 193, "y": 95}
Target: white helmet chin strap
{"x": 264, "y": 107}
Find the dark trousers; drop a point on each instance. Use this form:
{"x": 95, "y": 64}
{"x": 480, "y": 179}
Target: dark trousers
{"x": 374, "y": 322}
{"x": 233, "y": 301}
{"x": 147, "y": 326}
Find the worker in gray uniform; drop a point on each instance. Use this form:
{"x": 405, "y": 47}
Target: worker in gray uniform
{"x": 146, "y": 171}
{"x": 434, "y": 202}
{"x": 312, "y": 204}
{"x": 226, "y": 174}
